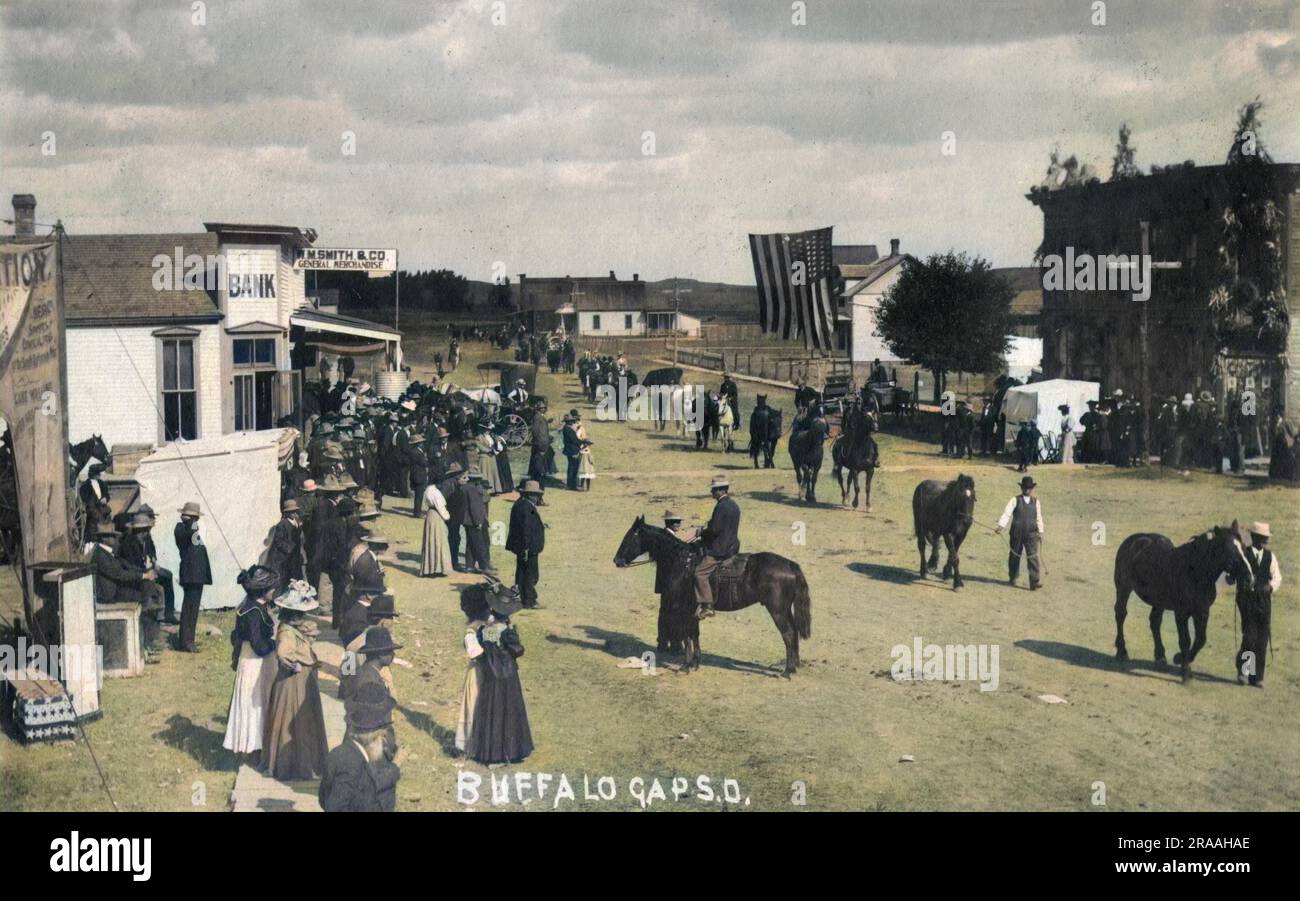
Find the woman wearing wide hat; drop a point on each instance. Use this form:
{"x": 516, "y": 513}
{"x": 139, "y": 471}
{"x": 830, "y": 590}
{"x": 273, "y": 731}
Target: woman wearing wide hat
{"x": 497, "y": 731}
{"x": 294, "y": 746}
{"x": 435, "y": 551}
{"x": 253, "y": 660}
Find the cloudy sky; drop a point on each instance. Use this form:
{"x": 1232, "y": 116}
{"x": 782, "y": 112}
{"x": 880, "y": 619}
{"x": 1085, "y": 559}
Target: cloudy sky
{"x": 516, "y": 131}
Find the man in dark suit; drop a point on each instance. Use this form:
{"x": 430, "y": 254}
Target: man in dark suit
{"x": 572, "y": 451}
{"x": 137, "y": 548}
{"x": 118, "y": 582}
{"x": 453, "y": 492}
{"x": 417, "y": 462}
{"x": 359, "y": 774}
{"x": 720, "y": 539}
{"x": 476, "y": 523}
{"x": 285, "y": 554}
{"x": 194, "y": 573}
{"x": 526, "y": 539}
{"x": 541, "y": 431}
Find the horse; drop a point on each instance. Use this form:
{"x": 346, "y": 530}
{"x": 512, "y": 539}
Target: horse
{"x": 726, "y": 424}
{"x": 79, "y": 455}
{"x": 768, "y": 579}
{"x": 1181, "y": 579}
{"x": 855, "y": 451}
{"x": 947, "y": 511}
{"x": 710, "y": 429}
{"x": 764, "y": 432}
{"x": 806, "y": 454}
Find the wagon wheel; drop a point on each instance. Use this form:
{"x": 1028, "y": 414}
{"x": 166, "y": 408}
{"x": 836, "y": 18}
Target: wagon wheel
{"x": 76, "y": 523}
{"x": 514, "y": 430}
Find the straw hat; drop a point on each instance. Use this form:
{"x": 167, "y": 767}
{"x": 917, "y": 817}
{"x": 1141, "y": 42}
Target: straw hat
{"x": 719, "y": 482}
{"x": 531, "y": 487}
{"x": 293, "y": 601}
{"x": 290, "y": 506}
{"x": 105, "y": 529}
{"x": 1260, "y": 529}
{"x": 191, "y": 508}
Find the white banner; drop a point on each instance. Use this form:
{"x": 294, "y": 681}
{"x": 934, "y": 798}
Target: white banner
{"x": 346, "y": 259}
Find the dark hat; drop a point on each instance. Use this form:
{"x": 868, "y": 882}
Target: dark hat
{"x": 371, "y": 588}
{"x": 503, "y": 601}
{"x": 1092, "y": 403}
{"x": 1065, "y": 408}
{"x": 257, "y": 579}
{"x": 141, "y": 520}
{"x": 370, "y": 708}
{"x": 105, "y": 529}
{"x": 147, "y": 511}
{"x": 382, "y": 607}
{"x": 1026, "y": 483}
{"x": 347, "y": 506}
{"x": 378, "y": 542}
{"x": 378, "y": 641}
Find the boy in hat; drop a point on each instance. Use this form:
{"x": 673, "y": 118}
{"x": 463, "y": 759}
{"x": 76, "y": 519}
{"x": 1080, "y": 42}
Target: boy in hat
{"x": 1024, "y": 515}
{"x": 1255, "y": 603}
{"x": 720, "y": 539}
{"x": 526, "y": 539}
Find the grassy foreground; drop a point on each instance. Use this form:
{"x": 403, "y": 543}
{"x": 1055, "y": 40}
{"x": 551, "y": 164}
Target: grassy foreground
{"x": 842, "y": 726}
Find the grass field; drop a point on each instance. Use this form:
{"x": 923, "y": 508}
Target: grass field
{"x": 842, "y": 725}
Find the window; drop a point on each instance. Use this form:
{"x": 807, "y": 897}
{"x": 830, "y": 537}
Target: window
{"x": 595, "y": 323}
{"x": 255, "y": 401}
{"x": 254, "y": 351}
{"x": 627, "y": 322}
{"x": 180, "y": 399}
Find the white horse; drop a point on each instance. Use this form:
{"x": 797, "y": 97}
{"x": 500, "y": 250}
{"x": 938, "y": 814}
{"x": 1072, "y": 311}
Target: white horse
{"x": 726, "y": 424}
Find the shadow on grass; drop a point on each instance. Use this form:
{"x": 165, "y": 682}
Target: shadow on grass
{"x": 899, "y": 575}
{"x": 791, "y": 499}
{"x": 446, "y": 738}
{"x": 202, "y": 744}
{"x": 622, "y": 645}
{"x": 1090, "y": 658}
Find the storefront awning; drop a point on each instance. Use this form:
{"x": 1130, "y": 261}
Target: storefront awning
{"x": 334, "y": 323}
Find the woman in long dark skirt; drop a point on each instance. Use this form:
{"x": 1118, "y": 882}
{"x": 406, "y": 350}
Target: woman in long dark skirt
{"x": 294, "y": 745}
{"x": 500, "y": 733}
{"x": 504, "y": 472}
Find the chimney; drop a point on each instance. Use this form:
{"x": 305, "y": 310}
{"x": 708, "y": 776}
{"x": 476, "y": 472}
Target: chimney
{"x": 24, "y": 215}
{"x": 636, "y": 276}
{"x": 893, "y": 247}
{"x": 611, "y": 275}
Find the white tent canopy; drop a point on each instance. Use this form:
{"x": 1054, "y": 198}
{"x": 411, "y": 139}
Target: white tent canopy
{"x": 235, "y": 523}
{"x": 1039, "y": 401}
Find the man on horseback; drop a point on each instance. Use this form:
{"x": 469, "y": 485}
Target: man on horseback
{"x": 720, "y": 540}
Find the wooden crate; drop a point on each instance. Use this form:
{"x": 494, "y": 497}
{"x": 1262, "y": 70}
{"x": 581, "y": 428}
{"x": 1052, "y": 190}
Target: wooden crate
{"x": 39, "y": 707}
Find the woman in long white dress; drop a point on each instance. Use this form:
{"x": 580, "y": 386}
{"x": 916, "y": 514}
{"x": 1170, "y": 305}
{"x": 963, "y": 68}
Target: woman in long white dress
{"x": 254, "y": 661}
{"x": 586, "y": 467}
{"x": 477, "y": 615}
{"x": 435, "y": 555}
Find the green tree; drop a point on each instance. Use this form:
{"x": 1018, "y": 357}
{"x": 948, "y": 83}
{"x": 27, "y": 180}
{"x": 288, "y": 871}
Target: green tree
{"x": 948, "y": 313}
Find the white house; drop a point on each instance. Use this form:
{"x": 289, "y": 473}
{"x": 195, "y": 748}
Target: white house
{"x": 195, "y": 335}
{"x": 864, "y": 288}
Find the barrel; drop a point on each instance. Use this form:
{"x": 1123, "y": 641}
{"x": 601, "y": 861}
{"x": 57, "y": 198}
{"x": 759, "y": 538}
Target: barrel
{"x": 390, "y": 384}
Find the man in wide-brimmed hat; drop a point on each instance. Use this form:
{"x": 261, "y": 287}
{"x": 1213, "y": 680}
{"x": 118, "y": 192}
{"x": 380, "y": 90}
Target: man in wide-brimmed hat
{"x": 720, "y": 540}
{"x": 526, "y": 539}
{"x": 360, "y": 776}
{"x": 477, "y": 499}
{"x": 193, "y": 573}
{"x": 118, "y": 582}
{"x": 452, "y": 487}
{"x": 357, "y": 619}
{"x": 137, "y": 548}
{"x": 1024, "y": 515}
{"x": 571, "y": 447}
{"x": 285, "y": 549}
{"x": 369, "y": 663}
{"x": 1255, "y": 603}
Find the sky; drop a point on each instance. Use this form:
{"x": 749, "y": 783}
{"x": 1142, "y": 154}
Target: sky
{"x": 557, "y": 137}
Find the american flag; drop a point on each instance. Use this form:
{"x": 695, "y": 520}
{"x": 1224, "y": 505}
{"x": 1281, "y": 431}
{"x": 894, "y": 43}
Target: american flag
{"x": 795, "y": 285}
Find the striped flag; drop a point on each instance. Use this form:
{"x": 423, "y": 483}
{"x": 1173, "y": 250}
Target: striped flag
{"x": 796, "y": 286}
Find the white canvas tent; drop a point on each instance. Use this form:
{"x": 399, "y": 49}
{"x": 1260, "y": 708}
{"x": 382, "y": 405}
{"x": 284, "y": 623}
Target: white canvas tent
{"x": 1038, "y": 401}
{"x": 236, "y": 480}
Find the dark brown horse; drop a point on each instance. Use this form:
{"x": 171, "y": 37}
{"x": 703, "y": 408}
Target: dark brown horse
{"x": 1181, "y": 579}
{"x": 855, "y": 453}
{"x": 769, "y": 579}
{"x": 947, "y": 511}
{"x": 807, "y": 439}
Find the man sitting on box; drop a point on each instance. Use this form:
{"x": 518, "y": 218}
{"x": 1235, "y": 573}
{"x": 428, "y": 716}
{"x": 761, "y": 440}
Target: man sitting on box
{"x": 119, "y": 582}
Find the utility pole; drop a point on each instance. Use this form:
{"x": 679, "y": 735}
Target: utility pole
{"x": 1144, "y": 354}
{"x": 574, "y": 294}
{"x": 676, "y": 292}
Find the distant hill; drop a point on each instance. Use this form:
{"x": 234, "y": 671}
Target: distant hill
{"x": 708, "y": 301}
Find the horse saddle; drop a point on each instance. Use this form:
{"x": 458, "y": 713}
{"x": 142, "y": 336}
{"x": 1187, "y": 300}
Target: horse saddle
{"x": 726, "y": 582}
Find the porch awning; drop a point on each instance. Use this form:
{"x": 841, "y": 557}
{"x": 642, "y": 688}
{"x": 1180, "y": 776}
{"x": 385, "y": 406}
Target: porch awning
{"x": 315, "y": 320}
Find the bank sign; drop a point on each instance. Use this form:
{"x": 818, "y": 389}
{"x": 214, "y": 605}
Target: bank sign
{"x": 341, "y": 259}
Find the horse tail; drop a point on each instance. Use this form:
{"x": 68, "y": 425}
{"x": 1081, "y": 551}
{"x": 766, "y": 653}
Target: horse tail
{"x": 802, "y": 604}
